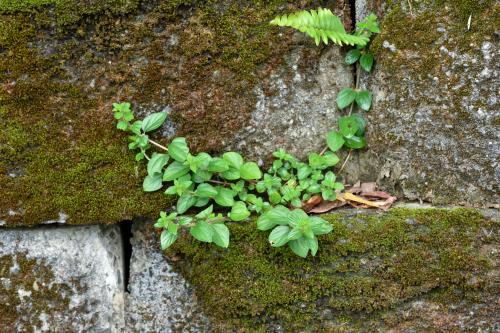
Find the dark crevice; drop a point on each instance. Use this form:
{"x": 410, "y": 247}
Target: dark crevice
{"x": 352, "y": 7}
{"x": 126, "y": 231}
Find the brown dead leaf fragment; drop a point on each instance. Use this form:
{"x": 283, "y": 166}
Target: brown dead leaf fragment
{"x": 356, "y": 188}
{"x": 309, "y": 204}
{"x": 377, "y": 195}
{"x": 326, "y": 205}
{"x": 368, "y": 187}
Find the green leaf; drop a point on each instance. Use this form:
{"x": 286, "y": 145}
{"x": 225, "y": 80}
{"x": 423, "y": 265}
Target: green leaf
{"x": 297, "y": 217}
{"x": 334, "y": 140}
{"x": 202, "y": 231}
{"x": 231, "y": 174}
{"x": 326, "y": 193}
{"x": 275, "y": 198}
{"x": 205, "y": 213}
{"x": 206, "y": 190}
{"x": 200, "y": 202}
{"x": 139, "y": 157}
{"x": 136, "y": 127}
{"x": 303, "y": 171}
{"x": 156, "y": 163}
{"x": 224, "y": 197}
{"x": 171, "y": 190}
{"x": 167, "y": 238}
{"x": 355, "y": 142}
{"x": 338, "y": 186}
{"x": 296, "y": 202}
{"x": 118, "y": 115}
{"x": 315, "y": 160}
{"x": 178, "y": 151}
{"x": 264, "y": 223}
{"x": 217, "y": 164}
{"x": 277, "y": 164}
{"x": 184, "y": 203}
{"x": 252, "y": 198}
{"x": 185, "y": 220}
{"x": 172, "y": 227}
{"x": 300, "y": 246}
{"x": 220, "y": 235}
{"x": 319, "y": 226}
{"x": 202, "y": 176}
{"x": 312, "y": 243}
{"x": 128, "y": 116}
{"x": 154, "y": 183}
{"x": 175, "y": 170}
{"x": 153, "y": 121}
{"x": 233, "y": 159}
{"x": 366, "y": 60}
{"x": 321, "y": 26}
{"x": 278, "y": 215}
{"x": 250, "y": 170}
{"x": 348, "y": 126}
{"x": 123, "y": 125}
{"x": 364, "y": 99}
{"x": 239, "y": 211}
{"x": 331, "y": 158}
{"x": 361, "y": 122}
{"x": 133, "y": 145}
{"x": 351, "y": 57}
{"x": 279, "y": 236}
{"x": 345, "y": 97}
{"x": 202, "y": 160}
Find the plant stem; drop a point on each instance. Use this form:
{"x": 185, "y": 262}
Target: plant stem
{"x": 342, "y": 168}
{"x": 217, "y": 182}
{"x": 224, "y": 219}
{"x": 157, "y": 145}
{"x": 357, "y": 85}
{"x": 323, "y": 151}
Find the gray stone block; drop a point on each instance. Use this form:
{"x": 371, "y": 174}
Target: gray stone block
{"x": 61, "y": 279}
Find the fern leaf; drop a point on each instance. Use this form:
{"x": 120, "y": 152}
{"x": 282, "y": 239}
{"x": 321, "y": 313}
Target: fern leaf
{"x": 320, "y": 25}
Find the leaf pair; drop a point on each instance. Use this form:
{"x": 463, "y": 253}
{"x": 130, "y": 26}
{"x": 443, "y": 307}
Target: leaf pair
{"x": 366, "y": 60}
{"x": 236, "y": 168}
{"x": 214, "y": 232}
{"x": 346, "y": 96}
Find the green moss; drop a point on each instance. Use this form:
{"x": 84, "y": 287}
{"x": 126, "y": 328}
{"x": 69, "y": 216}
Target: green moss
{"x": 368, "y": 265}
{"x": 418, "y": 71}
{"x": 62, "y": 64}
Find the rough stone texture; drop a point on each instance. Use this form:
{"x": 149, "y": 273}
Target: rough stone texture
{"x": 434, "y": 125}
{"x": 405, "y": 270}
{"x": 218, "y": 69}
{"x": 61, "y": 279}
{"x": 159, "y": 299}
{"x": 302, "y": 110}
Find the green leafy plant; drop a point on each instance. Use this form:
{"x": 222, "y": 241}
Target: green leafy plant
{"x": 228, "y": 181}
{"x": 323, "y": 25}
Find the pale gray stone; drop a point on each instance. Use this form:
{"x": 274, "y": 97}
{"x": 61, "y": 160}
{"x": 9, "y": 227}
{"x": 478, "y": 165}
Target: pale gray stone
{"x": 159, "y": 299}
{"x": 83, "y": 264}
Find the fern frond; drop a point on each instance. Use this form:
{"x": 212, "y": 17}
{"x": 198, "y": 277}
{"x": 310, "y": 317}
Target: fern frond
{"x": 321, "y": 25}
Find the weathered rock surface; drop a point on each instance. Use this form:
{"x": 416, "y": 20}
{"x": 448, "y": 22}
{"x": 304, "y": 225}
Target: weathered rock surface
{"x": 61, "y": 279}
{"x": 159, "y": 299}
{"x": 227, "y": 79}
{"x": 434, "y": 129}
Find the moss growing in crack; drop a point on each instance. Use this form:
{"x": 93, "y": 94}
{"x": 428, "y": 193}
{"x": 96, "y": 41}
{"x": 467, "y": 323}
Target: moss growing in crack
{"x": 367, "y": 266}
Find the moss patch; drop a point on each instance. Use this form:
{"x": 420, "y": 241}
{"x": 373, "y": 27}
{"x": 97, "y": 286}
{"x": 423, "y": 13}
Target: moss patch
{"x": 366, "y": 270}
{"x": 29, "y": 298}
{"x": 429, "y": 67}
{"x": 62, "y": 64}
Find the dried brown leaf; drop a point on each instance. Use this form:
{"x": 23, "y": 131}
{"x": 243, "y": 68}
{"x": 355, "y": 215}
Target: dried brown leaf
{"x": 368, "y": 187}
{"x": 377, "y": 195}
{"x": 309, "y": 204}
{"x": 356, "y": 188}
{"x": 326, "y": 205}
